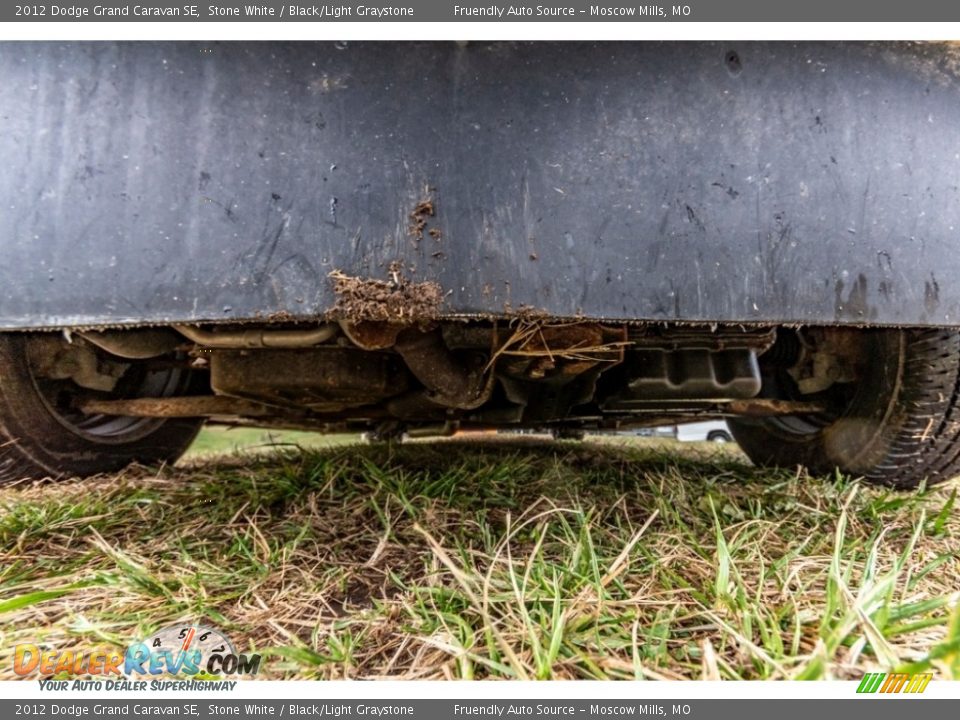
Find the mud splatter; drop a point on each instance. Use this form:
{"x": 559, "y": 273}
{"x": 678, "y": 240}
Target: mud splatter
{"x": 525, "y": 312}
{"x": 418, "y": 218}
{"x": 394, "y": 300}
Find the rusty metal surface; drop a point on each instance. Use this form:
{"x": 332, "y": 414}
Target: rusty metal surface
{"x": 325, "y": 379}
{"x": 765, "y": 407}
{"x": 138, "y": 344}
{"x": 372, "y": 334}
{"x": 450, "y": 381}
{"x": 185, "y": 406}
{"x": 186, "y": 182}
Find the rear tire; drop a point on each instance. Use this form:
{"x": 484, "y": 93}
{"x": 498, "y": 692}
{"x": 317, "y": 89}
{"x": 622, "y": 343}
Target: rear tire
{"x": 899, "y": 426}
{"x": 39, "y": 440}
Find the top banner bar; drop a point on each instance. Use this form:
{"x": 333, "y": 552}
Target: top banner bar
{"x": 736, "y": 11}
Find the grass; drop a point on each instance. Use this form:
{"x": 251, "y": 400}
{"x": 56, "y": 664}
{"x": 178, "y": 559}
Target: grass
{"x": 492, "y": 559}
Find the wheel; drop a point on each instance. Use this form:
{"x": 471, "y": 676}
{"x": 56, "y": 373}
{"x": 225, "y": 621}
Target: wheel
{"x": 719, "y": 436}
{"x": 42, "y": 435}
{"x": 896, "y": 423}
{"x": 567, "y": 433}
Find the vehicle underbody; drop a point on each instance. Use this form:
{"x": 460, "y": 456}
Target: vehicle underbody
{"x": 880, "y": 403}
{"x": 437, "y": 377}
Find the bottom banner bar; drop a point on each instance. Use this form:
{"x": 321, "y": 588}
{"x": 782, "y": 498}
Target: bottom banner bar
{"x": 204, "y": 708}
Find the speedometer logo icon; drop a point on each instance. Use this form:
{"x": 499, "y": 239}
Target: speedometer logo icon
{"x": 188, "y": 649}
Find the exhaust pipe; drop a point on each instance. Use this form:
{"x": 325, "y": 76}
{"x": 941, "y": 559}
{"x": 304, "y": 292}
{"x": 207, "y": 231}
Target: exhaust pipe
{"x": 258, "y": 338}
{"x": 449, "y": 382}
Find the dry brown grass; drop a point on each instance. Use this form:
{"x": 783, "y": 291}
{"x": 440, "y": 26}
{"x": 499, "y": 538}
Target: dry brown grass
{"x": 505, "y": 559}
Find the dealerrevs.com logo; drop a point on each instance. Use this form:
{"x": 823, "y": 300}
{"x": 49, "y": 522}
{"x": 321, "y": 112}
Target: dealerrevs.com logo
{"x": 192, "y": 651}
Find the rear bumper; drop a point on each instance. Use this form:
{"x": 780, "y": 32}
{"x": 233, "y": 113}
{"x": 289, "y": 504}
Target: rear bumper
{"x": 721, "y": 182}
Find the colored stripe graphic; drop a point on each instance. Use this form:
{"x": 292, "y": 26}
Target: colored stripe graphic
{"x": 919, "y": 682}
{"x": 894, "y": 683}
{"x": 870, "y": 682}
